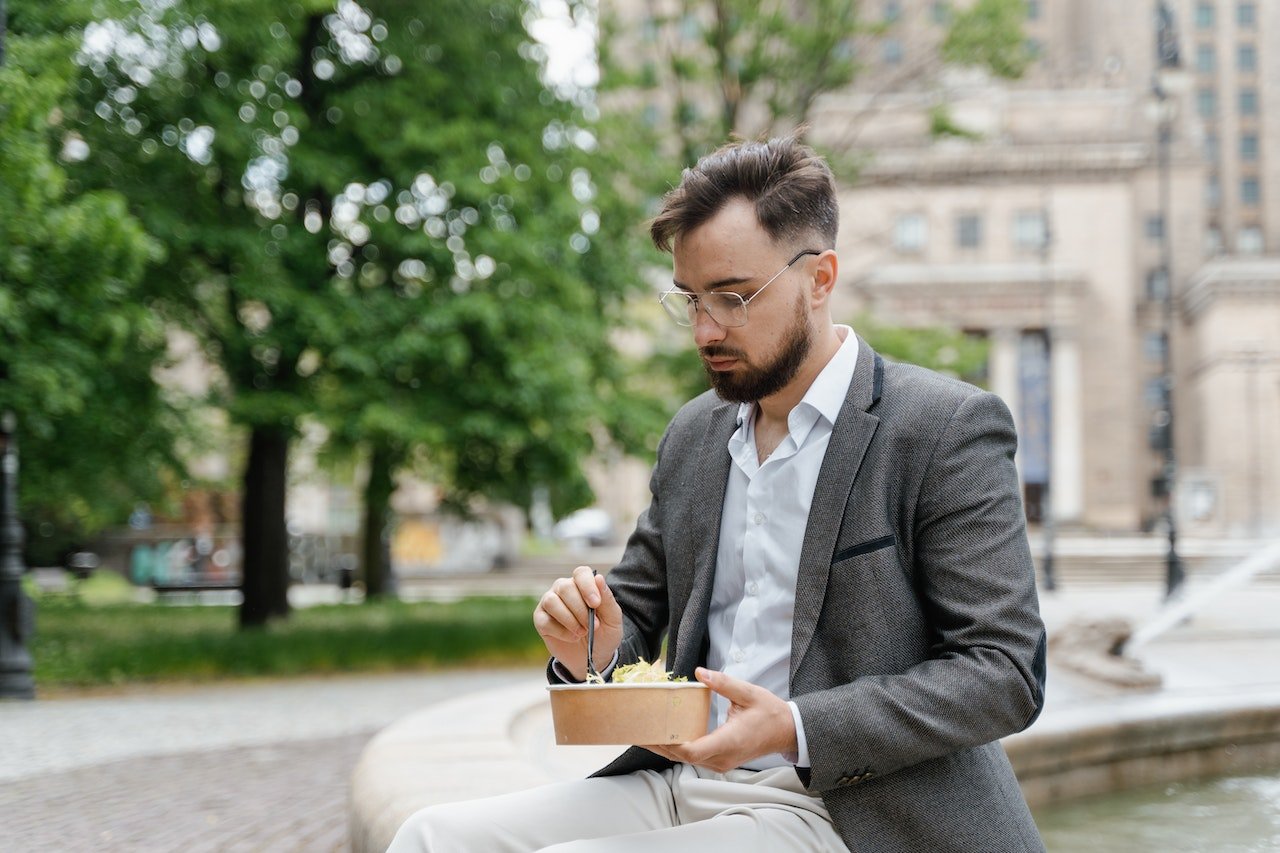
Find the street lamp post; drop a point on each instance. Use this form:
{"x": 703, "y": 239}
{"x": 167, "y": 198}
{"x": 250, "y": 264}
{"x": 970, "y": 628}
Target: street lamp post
{"x": 17, "y": 612}
{"x": 1047, "y": 524}
{"x": 1167, "y": 59}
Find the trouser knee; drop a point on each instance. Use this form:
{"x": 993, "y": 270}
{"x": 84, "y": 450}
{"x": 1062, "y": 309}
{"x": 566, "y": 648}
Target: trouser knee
{"x": 435, "y": 829}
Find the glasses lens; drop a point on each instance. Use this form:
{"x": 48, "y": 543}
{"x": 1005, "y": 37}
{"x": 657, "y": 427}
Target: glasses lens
{"x": 679, "y": 307}
{"x": 727, "y": 309}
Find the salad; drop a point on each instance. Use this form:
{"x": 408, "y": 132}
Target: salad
{"x": 640, "y": 672}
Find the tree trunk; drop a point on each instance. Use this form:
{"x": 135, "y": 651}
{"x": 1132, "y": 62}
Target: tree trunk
{"x": 375, "y": 556}
{"x": 263, "y": 534}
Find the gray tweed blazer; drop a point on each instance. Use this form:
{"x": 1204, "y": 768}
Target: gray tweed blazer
{"x": 917, "y": 640}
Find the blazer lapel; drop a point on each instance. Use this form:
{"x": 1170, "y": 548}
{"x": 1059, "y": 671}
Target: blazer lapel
{"x": 850, "y": 437}
{"x": 708, "y": 502}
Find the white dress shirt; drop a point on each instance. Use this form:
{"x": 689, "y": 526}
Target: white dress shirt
{"x": 762, "y": 527}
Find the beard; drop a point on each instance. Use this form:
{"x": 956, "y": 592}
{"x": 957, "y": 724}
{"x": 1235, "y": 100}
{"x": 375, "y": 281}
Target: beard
{"x": 749, "y": 384}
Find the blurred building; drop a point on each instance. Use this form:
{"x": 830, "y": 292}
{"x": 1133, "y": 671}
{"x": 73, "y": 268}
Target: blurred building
{"x": 1053, "y": 221}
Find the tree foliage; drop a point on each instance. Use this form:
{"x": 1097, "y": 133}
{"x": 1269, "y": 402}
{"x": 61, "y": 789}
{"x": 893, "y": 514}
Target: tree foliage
{"x": 375, "y": 214}
{"x": 78, "y": 344}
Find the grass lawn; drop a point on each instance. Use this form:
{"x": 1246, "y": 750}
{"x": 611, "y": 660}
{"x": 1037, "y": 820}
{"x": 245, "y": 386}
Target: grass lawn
{"x": 92, "y": 640}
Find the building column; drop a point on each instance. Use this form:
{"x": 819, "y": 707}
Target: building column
{"x": 1067, "y": 472}
{"x": 1002, "y": 361}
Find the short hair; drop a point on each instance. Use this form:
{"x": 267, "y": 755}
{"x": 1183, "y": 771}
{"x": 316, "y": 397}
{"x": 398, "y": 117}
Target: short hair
{"x": 789, "y": 185}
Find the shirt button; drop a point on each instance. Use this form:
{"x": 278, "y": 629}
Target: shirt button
{"x": 753, "y": 587}
{"x": 739, "y": 656}
{"x": 758, "y": 518}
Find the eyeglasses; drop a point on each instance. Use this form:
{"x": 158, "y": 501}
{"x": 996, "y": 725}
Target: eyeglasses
{"x": 725, "y": 307}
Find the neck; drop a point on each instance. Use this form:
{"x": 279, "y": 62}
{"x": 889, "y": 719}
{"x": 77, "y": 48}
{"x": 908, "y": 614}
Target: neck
{"x": 776, "y": 407}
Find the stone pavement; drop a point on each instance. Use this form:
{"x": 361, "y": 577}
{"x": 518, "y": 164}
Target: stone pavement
{"x": 247, "y": 766}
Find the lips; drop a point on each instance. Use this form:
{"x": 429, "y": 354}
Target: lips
{"x": 721, "y": 363}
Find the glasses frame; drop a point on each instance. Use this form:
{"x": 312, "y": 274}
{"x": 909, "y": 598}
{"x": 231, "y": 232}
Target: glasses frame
{"x": 687, "y": 319}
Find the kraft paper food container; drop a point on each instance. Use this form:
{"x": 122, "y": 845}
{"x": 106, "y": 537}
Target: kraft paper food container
{"x": 630, "y": 714}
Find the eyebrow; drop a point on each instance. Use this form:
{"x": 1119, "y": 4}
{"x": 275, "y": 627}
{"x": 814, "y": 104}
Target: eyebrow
{"x": 717, "y": 285}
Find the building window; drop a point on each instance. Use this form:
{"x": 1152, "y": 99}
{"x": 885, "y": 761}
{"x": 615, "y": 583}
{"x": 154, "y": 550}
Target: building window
{"x": 1211, "y": 147}
{"x": 1154, "y": 227}
{"x": 1206, "y": 103}
{"x": 690, "y": 29}
{"x": 1157, "y": 284}
{"x": 1033, "y": 10}
{"x": 1213, "y": 242}
{"x": 1249, "y": 241}
{"x": 892, "y": 51}
{"x": 968, "y": 231}
{"x": 1250, "y": 192}
{"x": 1153, "y": 393}
{"x": 1204, "y": 16}
{"x": 1247, "y": 15}
{"x": 1206, "y": 58}
{"x": 1247, "y": 58}
{"x": 1249, "y": 146}
{"x": 1153, "y": 346}
{"x": 1213, "y": 192}
{"x": 941, "y": 11}
{"x": 892, "y": 11}
{"x": 911, "y": 232}
{"x": 1248, "y": 102}
{"x": 1030, "y": 230}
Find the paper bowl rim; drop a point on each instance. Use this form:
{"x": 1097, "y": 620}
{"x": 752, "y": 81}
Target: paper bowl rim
{"x": 679, "y": 685}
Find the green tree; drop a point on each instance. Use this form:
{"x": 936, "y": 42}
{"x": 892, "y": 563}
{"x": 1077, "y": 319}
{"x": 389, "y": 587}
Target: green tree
{"x": 376, "y": 214}
{"x": 78, "y": 343}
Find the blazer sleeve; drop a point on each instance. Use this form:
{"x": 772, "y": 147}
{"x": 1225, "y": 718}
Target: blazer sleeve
{"x": 972, "y": 576}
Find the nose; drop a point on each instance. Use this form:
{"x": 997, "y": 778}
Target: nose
{"x": 705, "y": 329}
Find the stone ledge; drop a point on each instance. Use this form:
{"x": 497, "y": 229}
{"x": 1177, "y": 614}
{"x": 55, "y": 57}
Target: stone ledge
{"x": 454, "y": 750}
{"x": 1090, "y": 752}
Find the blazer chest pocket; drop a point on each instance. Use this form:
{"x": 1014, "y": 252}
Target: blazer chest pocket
{"x": 865, "y": 548}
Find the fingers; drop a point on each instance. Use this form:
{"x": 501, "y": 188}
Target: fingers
{"x": 554, "y": 619}
{"x": 705, "y": 752}
{"x": 736, "y": 690}
{"x": 562, "y": 611}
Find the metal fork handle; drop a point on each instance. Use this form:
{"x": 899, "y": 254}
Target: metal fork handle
{"x": 591, "y": 639}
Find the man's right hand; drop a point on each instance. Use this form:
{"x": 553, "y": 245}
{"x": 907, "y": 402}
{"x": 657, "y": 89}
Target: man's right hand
{"x": 561, "y": 620}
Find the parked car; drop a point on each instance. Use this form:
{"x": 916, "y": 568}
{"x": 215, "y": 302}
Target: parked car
{"x": 591, "y": 525}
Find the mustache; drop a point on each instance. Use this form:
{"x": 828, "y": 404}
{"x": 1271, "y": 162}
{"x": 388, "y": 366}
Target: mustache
{"x": 720, "y": 352}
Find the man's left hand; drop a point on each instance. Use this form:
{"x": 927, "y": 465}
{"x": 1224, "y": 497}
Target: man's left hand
{"x": 759, "y": 723}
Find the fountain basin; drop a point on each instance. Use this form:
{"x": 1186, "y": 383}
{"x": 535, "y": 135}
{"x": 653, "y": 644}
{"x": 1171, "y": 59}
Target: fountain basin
{"x": 1102, "y": 748}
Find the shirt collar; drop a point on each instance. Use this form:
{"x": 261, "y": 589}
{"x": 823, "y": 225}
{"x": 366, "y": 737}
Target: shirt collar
{"x": 828, "y": 391}
{"x": 826, "y": 394}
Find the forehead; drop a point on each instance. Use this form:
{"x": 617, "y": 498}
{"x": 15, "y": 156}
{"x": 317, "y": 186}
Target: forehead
{"x": 729, "y": 244}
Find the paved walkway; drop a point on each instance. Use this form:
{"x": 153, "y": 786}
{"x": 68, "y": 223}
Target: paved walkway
{"x": 252, "y": 766}
{"x": 266, "y": 766}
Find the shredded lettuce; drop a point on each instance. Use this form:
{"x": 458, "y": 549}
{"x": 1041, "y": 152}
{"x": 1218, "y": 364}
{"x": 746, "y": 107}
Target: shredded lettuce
{"x": 643, "y": 672}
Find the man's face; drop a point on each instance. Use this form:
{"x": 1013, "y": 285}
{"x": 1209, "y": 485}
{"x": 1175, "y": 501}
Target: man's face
{"x": 731, "y": 252}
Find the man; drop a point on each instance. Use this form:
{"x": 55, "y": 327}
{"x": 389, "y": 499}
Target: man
{"x": 835, "y": 546}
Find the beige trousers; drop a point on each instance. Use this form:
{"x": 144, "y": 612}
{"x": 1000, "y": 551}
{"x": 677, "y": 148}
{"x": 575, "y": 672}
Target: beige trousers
{"x": 683, "y": 808}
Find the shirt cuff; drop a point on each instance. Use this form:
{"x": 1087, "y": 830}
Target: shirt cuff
{"x": 800, "y": 757}
{"x": 561, "y": 672}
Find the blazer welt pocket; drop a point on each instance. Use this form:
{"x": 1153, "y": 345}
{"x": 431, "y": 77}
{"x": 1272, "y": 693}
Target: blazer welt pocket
{"x": 865, "y": 548}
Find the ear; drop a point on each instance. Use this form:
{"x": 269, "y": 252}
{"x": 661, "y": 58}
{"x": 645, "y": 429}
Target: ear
{"x": 824, "y": 278}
